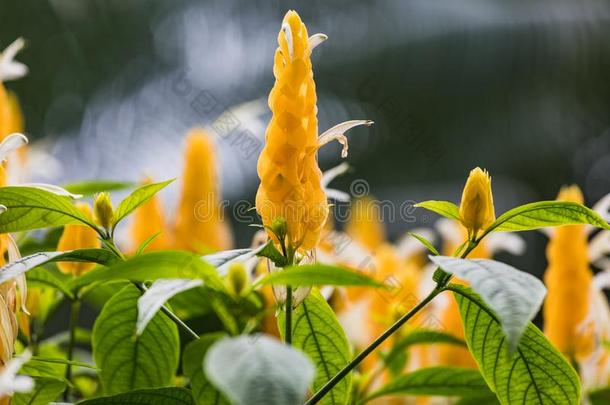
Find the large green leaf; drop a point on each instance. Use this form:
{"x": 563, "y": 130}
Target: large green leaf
{"x": 137, "y": 198}
{"x": 157, "y": 396}
{"x": 20, "y": 266}
{"x": 514, "y": 296}
{"x": 192, "y": 364}
{"x": 444, "y": 208}
{"x": 308, "y": 275}
{"x": 436, "y": 381}
{"x": 152, "y": 266}
{"x": 258, "y": 370}
{"x": 33, "y": 208}
{"x": 46, "y": 390}
{"x": 535, "y": 374}
{"x": 546, "y": 213}
{"x": 97, "y": 186}
{"x": 316, "y": 331}
{"x": 128, "y": 362}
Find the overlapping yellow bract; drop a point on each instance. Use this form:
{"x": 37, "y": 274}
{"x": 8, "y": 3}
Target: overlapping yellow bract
{"x": 477, "y": 205}
{"x": 288, "y": 165}
{"x": 78, "y": 236}
{"x": 568, "y": 279}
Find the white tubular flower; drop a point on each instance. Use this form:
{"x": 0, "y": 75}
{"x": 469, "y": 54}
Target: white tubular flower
{"x": 337, "y": 133}
{"x": 10, "y": 69}
{"x": 10, "y": 382}
{"x": 11, "y": 143}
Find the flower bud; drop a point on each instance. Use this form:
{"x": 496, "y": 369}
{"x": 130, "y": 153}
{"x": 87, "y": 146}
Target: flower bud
{"x": 279, "y": 227}
{"x": 103, "y": 211}
{"x": 477, "y": 206}
{"x": 237, "y": 278}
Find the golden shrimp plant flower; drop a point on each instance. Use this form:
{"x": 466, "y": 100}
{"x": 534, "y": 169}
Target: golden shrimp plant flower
{"x": 78, "y": 236}
{"x": 477, "y": 205}
{"x": 291, "y": 181}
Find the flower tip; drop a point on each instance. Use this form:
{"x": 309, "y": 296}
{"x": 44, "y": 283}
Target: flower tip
{"x": 368, "y": 123}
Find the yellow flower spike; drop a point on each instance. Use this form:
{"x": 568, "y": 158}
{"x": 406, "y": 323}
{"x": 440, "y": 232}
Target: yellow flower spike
{"x": 103, "y": 211}
{"x": 149, "y": 220}
{"x": 288, "y": 166}
{"x": 477, "y": 206}
{"x": 365, "y": 224}
{"x": 76, "y": 236}
{"x": 568, "y": 280}
{"x": 200, "y": 224}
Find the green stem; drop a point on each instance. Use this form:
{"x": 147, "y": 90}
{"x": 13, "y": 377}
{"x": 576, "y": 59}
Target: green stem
{"x": 288, "y": 331}
{"x": 440, "y": 287}
{"x": 74, "y": 313}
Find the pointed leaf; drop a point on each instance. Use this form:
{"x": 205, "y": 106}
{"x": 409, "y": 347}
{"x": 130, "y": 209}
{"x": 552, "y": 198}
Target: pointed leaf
{"x": 446, "y": 209}
{"x": 137, "y": 198}
{"x": 308, "y": 275}
{"x": 204, "y": 392}
{"x": 515, "y": 296}
{"x": 546, "y": 213}
{"x": 32, "y": 208}
{"x": 535, "y": 374}
{"x": 127, "y": 361}
{"x": 318, "y": 333}
{"x": 258, "y": 370}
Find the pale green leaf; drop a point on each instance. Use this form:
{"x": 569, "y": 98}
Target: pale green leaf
{"x": 427, "y": 244}
{"x": 204, "y": 392}
{"x": 544, "y": 214}
{"x": 515, "y": 296}
{"x": 308, "y": 275}
{"x": 127, "y": 361}
{"x": 318, "y": 333}
{"x": 436, "y": 381}
{"x": 446, "y": 209}
{"x": 138, "y": 197}
{"x": 536, "y": 374}
{"x": 32, "y": 208}
{"x": 92, "y": 187}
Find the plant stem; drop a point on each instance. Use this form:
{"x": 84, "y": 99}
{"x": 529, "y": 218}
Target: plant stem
{"x": 363, "y": 354}
{"x": 179, "y": 322}
{"x": 74, "y": 313}
{"x": 288, "y": 331}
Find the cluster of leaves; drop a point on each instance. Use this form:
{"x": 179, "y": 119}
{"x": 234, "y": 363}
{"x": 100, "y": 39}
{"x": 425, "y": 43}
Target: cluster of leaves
{"x": 143, "y": 352}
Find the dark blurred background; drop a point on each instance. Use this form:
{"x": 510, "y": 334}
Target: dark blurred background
{"x": 519, "y": 88}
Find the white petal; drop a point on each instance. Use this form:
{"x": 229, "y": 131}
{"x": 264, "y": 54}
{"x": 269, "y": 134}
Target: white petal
{"x": 337, "y": 195}
{"x": 505, "y": 242}
{"x": 53, "y": 189}
{"x": 599, "y": 245}
{"x": 10, "y": 143}
{"x": 337, "y": 133}
{"x": 449, "y": 230}
{"x": 10, "y": 69}
{"x": 601, "y": 280}
{"x": 316, "y": 39}
{"x": 288, "y": 35}
{"x": 3, "y": 209}
{"x": 331, "y": 174}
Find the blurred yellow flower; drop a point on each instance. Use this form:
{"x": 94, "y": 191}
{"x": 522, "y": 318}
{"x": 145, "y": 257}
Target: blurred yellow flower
{"x": 149, "y": 220}
{"x": 365, "y": 224}
{"x": 200, "y": 223}
{"x": 76, "y": 236}
{"x": 477, "y": 205}
{"x": 568, "y": 279}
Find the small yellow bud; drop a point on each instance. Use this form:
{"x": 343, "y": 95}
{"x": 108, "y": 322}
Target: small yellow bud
{"x": 477, "y": 206}
{"x": 237, "y": 278}
{"x": 102, "y": 208}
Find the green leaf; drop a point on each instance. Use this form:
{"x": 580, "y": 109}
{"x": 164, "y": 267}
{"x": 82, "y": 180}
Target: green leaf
{"x": 32, "y": 208}
{"x": 318, "y": 333}
{"x": 489, "y": 399}
{"x": 128, "y": 362}
{"x": 157, "y": 396}
{"x": 436, "y": 381}
{"x": 536, "y": 374}
{"x": 418, "y": 337}
{"x": 445, "y": 208}
{"x": 20, "y": 266}
{"x": 42, "y": 359}
{"x": 425, "y": 242}
{"x": 46, "y": 390}
{"x": 137, "y": 198}
{"x": 92, "y": 187}
{"x": 546, "y": 213}
{"x": 308, "y": 275}
{"x": 270, "y": 252}
{"x": 152, "y": 266}
{"x": 600, "y": 396}
{"x": 192, "y": 364}
{"x": 515, "y": 296}
{"x": 45, "y": 277}
{"x": 258, "y": 370}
